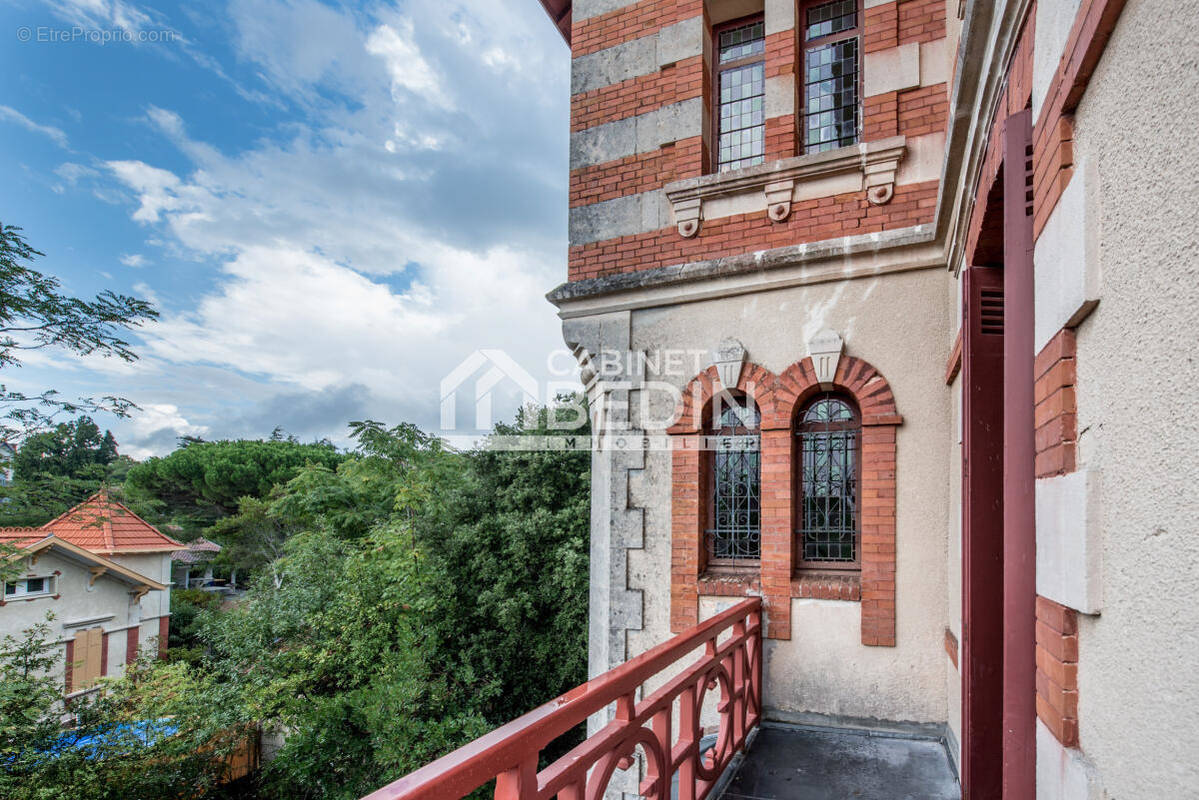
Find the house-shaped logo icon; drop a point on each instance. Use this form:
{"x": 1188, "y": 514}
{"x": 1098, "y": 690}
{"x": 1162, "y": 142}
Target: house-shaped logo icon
{"x": 501, "y": 367}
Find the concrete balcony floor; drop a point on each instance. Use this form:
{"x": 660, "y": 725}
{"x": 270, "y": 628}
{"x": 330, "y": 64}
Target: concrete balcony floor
{"x": 805, "y": 763}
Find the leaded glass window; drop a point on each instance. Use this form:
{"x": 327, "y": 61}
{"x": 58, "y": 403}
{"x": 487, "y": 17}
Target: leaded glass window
{"x": 831, "y": 53}
{"x": 741, "y": 86}
{"x": 735, "y": 532}
{"x": 829, "y": 435}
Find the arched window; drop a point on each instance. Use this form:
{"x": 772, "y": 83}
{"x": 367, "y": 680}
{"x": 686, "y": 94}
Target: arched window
{"x": 734, "y": 532}
{"x": 829, "y": 433}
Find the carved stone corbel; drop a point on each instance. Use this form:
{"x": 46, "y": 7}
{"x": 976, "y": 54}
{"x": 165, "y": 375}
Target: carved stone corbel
{"x": 778, "y": 199}
{"x": 728, "y": 357}
{"x": 879, "y": 177}
{"x": 825, "y": 350}
{"x": 688, "y": 214}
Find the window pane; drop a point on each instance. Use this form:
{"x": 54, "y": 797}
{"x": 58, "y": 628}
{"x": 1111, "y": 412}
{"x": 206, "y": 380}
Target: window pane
{"x": 10, "y": 588}
{"x": 742, "y": 42}
{"x": 831, "y": 96}
{"x": 830, "y": 18}
{"x": 736, "y": 476}
{"x": 829, "y": 481}
{"x": 35, "y": 585}
{"x": 742, "y": 111}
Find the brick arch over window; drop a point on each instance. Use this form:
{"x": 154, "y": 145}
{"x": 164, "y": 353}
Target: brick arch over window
{"x": 778, "y": 398}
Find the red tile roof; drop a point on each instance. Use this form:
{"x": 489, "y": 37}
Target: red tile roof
{"x": 19, "y": 537}
{"x": 102, "y": 525}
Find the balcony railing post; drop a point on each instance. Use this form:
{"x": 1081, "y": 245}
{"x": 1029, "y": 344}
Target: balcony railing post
{"x": 689, "y": 742}
{"x": 518, "y": 783}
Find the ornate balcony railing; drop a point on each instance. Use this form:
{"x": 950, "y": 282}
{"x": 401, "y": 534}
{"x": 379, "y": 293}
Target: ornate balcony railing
{"x": 731, "y": 662}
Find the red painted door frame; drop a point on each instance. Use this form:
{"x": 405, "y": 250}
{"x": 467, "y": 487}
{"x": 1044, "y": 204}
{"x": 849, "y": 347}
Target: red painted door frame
{"x": 1019, "y": 479}
{"x": 982, "y": 533}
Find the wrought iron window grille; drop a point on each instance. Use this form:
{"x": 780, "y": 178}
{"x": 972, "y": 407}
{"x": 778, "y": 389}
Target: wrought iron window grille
{"x": 829, "y": 435}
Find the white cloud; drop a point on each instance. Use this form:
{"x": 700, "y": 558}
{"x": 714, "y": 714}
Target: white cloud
{"x": 101, "y": 14}
{"x": 54, "y": 134}
{"x": 135, "y": 260}
{"x": 408, "y": 69}
{"x": 374, "y": 242}
{"x": 153, "y": 425}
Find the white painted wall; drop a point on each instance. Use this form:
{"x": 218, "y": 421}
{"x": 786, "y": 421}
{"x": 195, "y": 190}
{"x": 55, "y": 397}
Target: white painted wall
{"x": 899, "y": 323}
{"x": 1137, "y": 373}
{"x": 106, "y": 604}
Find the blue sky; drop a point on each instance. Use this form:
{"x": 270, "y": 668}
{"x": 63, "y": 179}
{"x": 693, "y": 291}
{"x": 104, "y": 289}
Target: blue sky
{"x": 331, "y": 205}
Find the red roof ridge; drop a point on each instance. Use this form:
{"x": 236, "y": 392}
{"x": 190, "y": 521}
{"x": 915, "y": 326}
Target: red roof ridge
{"x": 104, "y": 505}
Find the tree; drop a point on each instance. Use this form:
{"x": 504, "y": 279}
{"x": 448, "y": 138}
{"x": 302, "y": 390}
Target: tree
{"x": 423, "y": 598}
{"x": 197, "y": 485}
{"x": 157, "y": 729}
{"x": 35, "y": 314}
{"x": 57, "y": 468}
{"x": 508, "y": 547}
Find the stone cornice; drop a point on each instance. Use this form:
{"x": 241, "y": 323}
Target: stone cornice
{"x": 845, "y": 258}
{"x": 877, "y": 161}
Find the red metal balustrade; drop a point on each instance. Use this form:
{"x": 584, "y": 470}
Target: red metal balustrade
{"x": 731, "y": 661}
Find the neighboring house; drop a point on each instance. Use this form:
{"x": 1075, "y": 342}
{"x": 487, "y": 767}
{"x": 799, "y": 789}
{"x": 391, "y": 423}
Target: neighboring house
{"x": 105, "y": 574}
{"x": 932, "y": 272}
{"x": 198, "y": 554}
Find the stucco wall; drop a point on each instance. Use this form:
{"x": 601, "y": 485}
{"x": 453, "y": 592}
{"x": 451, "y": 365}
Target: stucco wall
{"x": 156, "y": 566}
{"x": 953, "y": 562}
{"x": 1137, "y": 373}
{"x": 106, "y": 603}
{"x": 898, "y": 323}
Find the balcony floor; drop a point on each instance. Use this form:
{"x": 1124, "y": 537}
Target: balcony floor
{"x": 814, "y": 764}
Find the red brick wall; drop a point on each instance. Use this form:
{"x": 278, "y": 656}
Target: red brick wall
{"x": 777, "y": 398}
{"x": 625, "y": 24}
{"x": 810, "y": 221}
{"x": 1057, "y": 670}
{"x": 1052, "y": 138}
{"x": 1056, "y": 413}
{"x": 131, "y": 635}
{"x": 912, "y": 113}
{"x": 164, "y": 634}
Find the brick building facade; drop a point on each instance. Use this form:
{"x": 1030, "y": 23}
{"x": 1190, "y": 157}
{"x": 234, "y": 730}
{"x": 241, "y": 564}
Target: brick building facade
{"x": 951, "y": 228}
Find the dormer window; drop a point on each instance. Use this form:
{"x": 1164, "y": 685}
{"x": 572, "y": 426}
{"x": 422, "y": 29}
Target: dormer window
{"x": 831, "y": 44}
{"x": 741, "y": 91}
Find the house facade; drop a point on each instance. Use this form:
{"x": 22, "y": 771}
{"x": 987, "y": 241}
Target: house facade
{"x": 105, "y": 575}
{"x": 900, "y": 300}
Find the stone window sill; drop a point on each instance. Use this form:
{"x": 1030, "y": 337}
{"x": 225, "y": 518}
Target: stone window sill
{"x": 730, "y": 582}
{"x": 774, "y": 186}
{"x": 827, "y": 586}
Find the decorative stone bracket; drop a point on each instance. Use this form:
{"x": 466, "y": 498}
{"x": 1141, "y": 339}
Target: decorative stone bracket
{"x": 876, "y": 163}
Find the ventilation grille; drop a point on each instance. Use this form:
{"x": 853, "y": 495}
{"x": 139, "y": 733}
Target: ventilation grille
{"x": 990, "y": 314}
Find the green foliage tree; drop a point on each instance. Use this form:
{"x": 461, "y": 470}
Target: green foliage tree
{"x": 423, "y": 598}
{"x": 57, "y": 468}
{"x": 203, "y": 482}
{"x": 509, "y": 554}
{"x": 420, "y": 598}
{"x": 35, "y": 314}
{"x": 159, "y": 728}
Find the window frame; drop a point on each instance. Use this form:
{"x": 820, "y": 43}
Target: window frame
{"x": 717, "y": 68}
{"x": 21, "y": 588}
{"x": 800, "y": 564}
{"x": 711, "y": 431}
{"x": 858, "y": 32}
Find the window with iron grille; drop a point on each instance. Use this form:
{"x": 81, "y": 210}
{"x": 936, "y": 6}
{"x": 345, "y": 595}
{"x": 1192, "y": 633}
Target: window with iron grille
{"x": 831, "y": 116}
{"x": 741, "y": 94}
{"x": 734, "y": 511}
{"x": 829, "y": 434}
